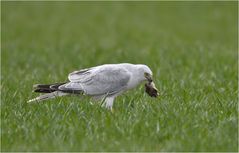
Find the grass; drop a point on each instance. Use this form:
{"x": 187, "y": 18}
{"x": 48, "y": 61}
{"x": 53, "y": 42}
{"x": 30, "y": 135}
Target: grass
{"x": 190, "y": 46}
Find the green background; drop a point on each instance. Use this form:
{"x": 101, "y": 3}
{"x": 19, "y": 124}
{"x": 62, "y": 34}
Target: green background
{"x": 190, "y": 46}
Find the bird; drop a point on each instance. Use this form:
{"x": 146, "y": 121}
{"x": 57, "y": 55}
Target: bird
{"x": 103, "y": 82}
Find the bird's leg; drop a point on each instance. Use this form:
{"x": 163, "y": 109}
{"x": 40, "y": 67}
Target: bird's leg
{"x": 109, "y": 101}
{"x": 102, "y": 103}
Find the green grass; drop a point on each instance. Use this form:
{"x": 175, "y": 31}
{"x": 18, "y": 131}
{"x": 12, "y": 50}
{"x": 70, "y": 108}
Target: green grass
{"x": 190, "y": 46}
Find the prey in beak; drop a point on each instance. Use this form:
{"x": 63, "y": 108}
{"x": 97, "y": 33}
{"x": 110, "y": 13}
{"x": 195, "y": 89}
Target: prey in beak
{"x": 150, "y": 88}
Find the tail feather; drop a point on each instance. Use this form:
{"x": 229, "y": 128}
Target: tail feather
{"x": 52, "y": 91}
{"x": 47, "y": 96}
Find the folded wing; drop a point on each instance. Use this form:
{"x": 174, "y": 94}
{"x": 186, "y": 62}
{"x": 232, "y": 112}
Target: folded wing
{"x": 98, "y": 80}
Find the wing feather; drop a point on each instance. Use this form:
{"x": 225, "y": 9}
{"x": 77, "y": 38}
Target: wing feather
{"x": 99, "y": 80}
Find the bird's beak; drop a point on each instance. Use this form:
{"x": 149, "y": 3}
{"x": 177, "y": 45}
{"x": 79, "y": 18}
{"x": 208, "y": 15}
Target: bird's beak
{"x": 150, "y": 87}
{"x": 154, "y": 88}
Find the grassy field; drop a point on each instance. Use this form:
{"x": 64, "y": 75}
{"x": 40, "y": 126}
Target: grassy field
{"x": 190, "y": 46}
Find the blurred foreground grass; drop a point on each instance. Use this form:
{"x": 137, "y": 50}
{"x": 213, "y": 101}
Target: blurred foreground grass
{"x": 190, "y": 46}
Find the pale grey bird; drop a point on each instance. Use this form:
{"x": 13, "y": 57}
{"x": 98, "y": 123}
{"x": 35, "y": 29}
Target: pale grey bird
{"x": 104, "y": 82}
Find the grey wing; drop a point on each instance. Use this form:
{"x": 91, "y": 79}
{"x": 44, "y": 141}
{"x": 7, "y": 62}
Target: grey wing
{"x": 99, "y": 81}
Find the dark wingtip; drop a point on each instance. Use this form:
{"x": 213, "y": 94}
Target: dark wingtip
{"x": 41, "y": 86}
{"x": 43, "y": 90}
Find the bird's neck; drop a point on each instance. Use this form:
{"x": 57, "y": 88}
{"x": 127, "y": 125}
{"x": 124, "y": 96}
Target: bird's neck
{"x": 135, "y": 80}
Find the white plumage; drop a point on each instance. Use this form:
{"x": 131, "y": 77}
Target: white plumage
{"x": 102, "y": 82}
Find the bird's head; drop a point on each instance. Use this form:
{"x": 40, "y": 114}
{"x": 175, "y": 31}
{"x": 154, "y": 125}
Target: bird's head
{"x": 147, "y": 75}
